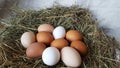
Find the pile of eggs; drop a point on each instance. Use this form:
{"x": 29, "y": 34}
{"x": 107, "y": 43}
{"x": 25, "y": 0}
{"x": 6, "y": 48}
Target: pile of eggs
{"x": 54, "y": 43}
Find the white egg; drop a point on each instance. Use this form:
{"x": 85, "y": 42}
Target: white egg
{"x": 51, "y": 56}
{"x": 27, "y": 39}
{"x": 59, "y": 32}
{"x": 71, "y": 57}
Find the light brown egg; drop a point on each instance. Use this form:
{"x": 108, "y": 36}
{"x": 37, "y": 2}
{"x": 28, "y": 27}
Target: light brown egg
{"x": 46, "y": 27}
{"x": 35, "y": 50}
{"x": 44, "y": 37}
{"x": 59, "y": 43}
{"x": 80, "y": 47}
{"x": 73, "y": 35}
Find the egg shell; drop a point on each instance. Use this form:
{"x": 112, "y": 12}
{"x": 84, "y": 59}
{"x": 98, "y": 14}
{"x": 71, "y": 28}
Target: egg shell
{"x": 59, "y": 43}
{"x": 27, "y": 39}
{"x": 80, "y": 46}
{"x": 73, "y": 35}
{"x": 46, "y": 27}
{"x": 59, "y": 32}
{"x": 35, "y": 50}
{"x": 51, "y": 56}
{"x": 71, "y": 57}
{"x": 44, "y": 37}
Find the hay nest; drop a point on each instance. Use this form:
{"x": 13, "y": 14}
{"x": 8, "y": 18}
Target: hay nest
{"x": 12, "y": 54}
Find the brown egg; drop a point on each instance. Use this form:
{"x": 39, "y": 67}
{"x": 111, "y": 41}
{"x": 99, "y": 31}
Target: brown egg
{"x": 35, "y": 50}
{"x": 44, "y": 37}
{"x": 45, "y": 27}
{"x": 59, "y": 43}
{"x": 73, "y": 35}
{"x": 80, "y": 46}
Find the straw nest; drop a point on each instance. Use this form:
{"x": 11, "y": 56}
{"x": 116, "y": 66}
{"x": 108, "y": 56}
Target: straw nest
{"x": 12, "y": 53}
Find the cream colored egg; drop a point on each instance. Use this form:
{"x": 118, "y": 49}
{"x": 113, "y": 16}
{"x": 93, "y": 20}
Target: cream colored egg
{"x": 59, "y": 32}
{"x": 27, "y": 39}
{"x": 51, "y": 56}
{"x": 71, "y": 57}
{"x": 46, "y": 27}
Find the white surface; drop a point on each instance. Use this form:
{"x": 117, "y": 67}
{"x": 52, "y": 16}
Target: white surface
{"x": 59, "y": 32}
{"x": 51, "y": 56}
{"x": 36, "y": 4}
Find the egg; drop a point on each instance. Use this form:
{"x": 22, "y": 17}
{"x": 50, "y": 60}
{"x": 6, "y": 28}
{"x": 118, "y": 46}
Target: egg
{"x": 35, "y": 50}
{"x": 80, "y": 46}
{"x": 59, "y": 43}
{"x": 73, "y": 35}
{"x": 59, "y": 32}
{"x": 27, "y": 39}
{"x": 51, "y": 56}
{"x": 45, "y": 27}
{"x": 71, "y": 57}
{"x": 44, "y": 37}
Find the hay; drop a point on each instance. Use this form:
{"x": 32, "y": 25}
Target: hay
{"x": 12, "y": 54}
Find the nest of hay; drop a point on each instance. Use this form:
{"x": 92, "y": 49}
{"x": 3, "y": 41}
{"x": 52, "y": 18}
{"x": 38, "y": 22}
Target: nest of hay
{"x": 101, "y": 52}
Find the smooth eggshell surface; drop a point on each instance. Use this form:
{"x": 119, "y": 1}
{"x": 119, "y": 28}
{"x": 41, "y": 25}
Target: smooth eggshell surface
{"x": 35, "y": 50}
{"x": 59, "y": 32}
{"x": 71, "y": 57}
{"x": 80, "y": 46}
{"x": 27, "y": 39}
{"x": 44, "y": 37}
{"x": 73, "y": 35}
{"x": 59, "y": 43}
{"x": 51, "y": 56}
{"x": 45, "y": 27}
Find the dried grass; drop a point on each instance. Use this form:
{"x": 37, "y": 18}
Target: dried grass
{"x": 12, "y": 54}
